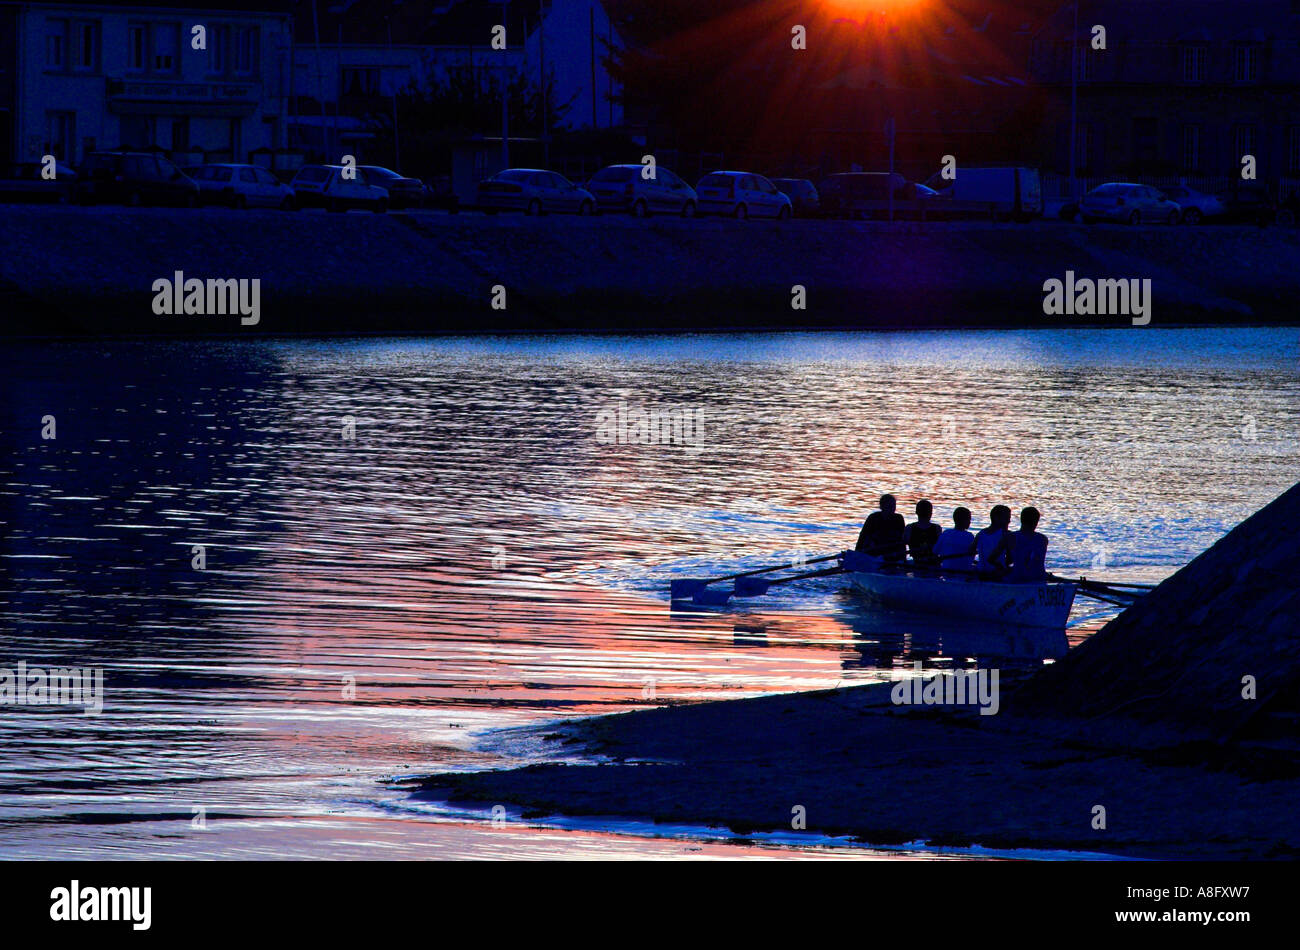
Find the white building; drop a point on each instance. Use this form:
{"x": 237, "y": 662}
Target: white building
{"x": 211, "y": 83}
{"x": 570, "y": 43}
{"x": 376, "y": 48}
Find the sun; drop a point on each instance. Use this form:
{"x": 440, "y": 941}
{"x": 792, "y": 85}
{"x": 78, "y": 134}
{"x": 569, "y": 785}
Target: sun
{"x": 860, "y": 8}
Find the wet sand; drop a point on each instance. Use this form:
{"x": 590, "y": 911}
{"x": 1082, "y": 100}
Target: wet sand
{"x": 861, "y": 767}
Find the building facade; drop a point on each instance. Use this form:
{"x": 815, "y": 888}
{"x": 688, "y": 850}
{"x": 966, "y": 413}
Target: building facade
{"x": 199, "y": 83}
{"x": 351, "y": 59}
{"x": 1184, "y": 88}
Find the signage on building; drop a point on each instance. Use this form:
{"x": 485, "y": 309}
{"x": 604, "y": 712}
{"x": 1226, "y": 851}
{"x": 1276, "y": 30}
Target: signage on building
{"x": 149, "y": 90}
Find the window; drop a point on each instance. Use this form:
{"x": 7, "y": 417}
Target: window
{"x": 1245, "y": 63}
{"x": 61, "y": 135}
{"x": 246, "y": 175}
{"x": 85, "y": 47}
{"x": 137, "y": 39}
{"x": 1244, "y": 139}
{"x": 245, "y": 50}
{"x": 264, "y": 177}
{"x": 56, "y": 44}
{"x": 218, "y": 49}
{"x": 360, "y": 80}
{"x": 1192, "y": 148}
{"x": 166, "y": 40}
{"x": 1293, "y": 150}
{"x": 1194, "y": 59}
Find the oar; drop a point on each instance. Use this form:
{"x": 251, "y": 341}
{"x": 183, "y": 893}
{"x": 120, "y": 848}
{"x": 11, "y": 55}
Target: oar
{"x": 1106, "y": 600}
{"x": 691, "y": 588}
{"x": 757, "y": 586}
{"x": 1106, "y": 587}
{"x": 1084, "y": 580}
{"x": 688, "y": 588}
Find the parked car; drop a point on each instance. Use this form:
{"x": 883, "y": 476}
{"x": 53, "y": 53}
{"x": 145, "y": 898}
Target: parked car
{"x": 1013, "y": 192}
{"x": 403, "y": 192}
{"x": 26, "y": 182}
{"x": 241, "y": 186}
{"x": 1128, "y": 203}
{"x": 439, "y": 194}
{"x": 134, "y": 178}
{"x": 1197, "y": 205}
{"x": 1288, "y": 211}
{"x": 804, "y": 200}
{"x": 533, "y": 191}
{"x": 862, "y": 194}
{"x": 625, "y": 188}
{"x": 741, "y": 195}
{"x": 325, "y": 186}
{"x": 1248, "y": 203}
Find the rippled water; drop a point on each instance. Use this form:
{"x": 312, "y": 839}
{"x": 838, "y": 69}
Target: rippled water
{"x": 475, "y": 557}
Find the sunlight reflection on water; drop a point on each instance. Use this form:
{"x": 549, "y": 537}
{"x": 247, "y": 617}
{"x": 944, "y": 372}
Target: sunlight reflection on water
{"x": 475, "y": 558}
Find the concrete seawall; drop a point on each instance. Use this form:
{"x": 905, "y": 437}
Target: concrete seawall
{"x": 69, "y": 270}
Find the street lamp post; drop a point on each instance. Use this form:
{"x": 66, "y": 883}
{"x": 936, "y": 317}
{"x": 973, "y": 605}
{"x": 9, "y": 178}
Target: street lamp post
{"x": 505, "y": 88}
{"x": 397, "y": 148}
{"x": 1074, "y": 107}
{"x": 890, "y": 134}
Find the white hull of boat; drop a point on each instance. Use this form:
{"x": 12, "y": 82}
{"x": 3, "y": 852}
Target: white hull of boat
{"x": 1022, "y": 605}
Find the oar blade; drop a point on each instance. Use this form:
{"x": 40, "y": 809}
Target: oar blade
{"x": 751, "y": 586}
{"x": 686, "y": 589}
{"x": 709, "y": 597}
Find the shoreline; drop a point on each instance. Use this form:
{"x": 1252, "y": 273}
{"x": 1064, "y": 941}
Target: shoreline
{"x": 521, "y": 333}
{"x": 1167, "y": 734}
{"x": 940, "y": 777}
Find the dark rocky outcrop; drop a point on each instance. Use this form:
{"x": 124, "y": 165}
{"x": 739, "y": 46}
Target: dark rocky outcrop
{"x": 1178, "y": 657}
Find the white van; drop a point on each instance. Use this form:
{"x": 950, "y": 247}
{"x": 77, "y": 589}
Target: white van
{"x": 1012, "y": 191}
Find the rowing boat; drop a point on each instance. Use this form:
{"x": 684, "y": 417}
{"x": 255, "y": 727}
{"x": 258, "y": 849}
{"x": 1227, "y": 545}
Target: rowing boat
{"x": 1023, "y": 605}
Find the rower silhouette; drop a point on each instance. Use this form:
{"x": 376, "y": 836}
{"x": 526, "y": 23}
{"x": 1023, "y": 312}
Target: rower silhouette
{"x": 989, "y": 550}
{"x": 921, "y": 535}
{"x": 882, "y": 532}
{"x": 955, "y": 549}
{"x": 1026, "y": 550}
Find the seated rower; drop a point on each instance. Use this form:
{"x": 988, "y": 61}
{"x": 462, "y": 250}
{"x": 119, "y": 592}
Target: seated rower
{"x": 989, "y": 549}
{"x": 1026, "y": 551}
{"x": 921, "y": 535}
{"x": 882, "y": 533}
{"x": 955, "y": 549}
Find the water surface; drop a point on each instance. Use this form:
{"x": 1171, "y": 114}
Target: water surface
{"x": 473, "y": 557}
